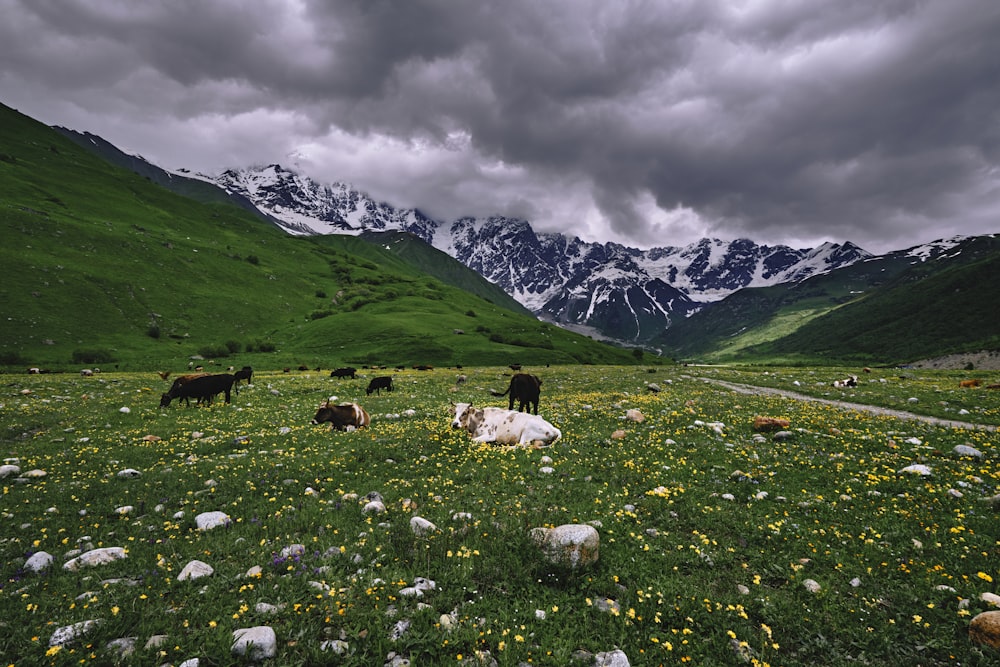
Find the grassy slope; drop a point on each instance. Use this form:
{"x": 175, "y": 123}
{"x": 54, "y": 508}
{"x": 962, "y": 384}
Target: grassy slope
{"x": 824, "y": 319}
{"x": 96, "y": 259}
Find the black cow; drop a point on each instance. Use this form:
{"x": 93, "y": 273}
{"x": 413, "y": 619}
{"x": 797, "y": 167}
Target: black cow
{"x": 343, "y": 417}
{"x": 379, "y": 383}
{"x": 525, "y": 389}
{"x": 245, "y": 373}
{"x": 346, "y": 372}
{"x": 201, "y": 388}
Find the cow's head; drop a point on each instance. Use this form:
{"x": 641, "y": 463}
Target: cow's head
{"x": 164, "y": 400}
{"x": 323, "y": 414}
{"x": 467, "y": 417}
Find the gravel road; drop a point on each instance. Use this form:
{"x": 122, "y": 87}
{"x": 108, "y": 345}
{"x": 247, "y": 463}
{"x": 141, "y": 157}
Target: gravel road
{"x": 900, "y": 414}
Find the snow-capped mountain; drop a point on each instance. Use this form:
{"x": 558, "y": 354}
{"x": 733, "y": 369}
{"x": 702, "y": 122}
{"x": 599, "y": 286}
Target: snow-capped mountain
{"x": 622, "y": 293}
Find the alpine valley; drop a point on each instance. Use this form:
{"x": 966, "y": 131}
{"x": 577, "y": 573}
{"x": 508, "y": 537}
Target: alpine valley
{"x": 604, "y": 290}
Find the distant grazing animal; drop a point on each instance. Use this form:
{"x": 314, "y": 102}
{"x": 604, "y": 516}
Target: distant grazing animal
{"x": 423, "y": 367}
{"x": 184, "y": 379}
{"x": 34, "y": 371}
{"x": 342, "y": 417}
{"x": 86, "y": 372}
{"x": 515, "y": 367}
{"x": 525, "y": 389}
{"x": 504, "y": 427}
{"x": 245, "y": 373}
{"x": 163, "y": 374}
{"x": 969, "y": 384}
{"x": 203, "y": 388}
{"x": 346, "y": 372}
{"x": 849, "y": 381}
{"x": 460, "y": 379}
{"x": 378, "y": 384}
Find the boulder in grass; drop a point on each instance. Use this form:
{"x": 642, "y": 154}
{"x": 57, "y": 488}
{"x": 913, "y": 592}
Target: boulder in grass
{"x": 256, "y": 643}
{"x": 95, "y": 557}
{"x": 985, "y": 628}
{"x": 210, "y": 520}
{"x": 572, "y": 545}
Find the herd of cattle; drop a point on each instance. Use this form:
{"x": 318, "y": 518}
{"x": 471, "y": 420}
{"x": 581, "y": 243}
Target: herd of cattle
{"x": 485, "y": 424}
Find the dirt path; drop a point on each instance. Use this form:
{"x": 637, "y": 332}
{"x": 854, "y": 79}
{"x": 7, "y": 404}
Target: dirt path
{"x": 900, "y": 414}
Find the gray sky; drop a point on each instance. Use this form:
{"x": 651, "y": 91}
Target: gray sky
{"x": 645, "y": 123}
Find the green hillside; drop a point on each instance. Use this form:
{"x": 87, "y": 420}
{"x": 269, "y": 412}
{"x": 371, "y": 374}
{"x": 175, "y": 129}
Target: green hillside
{"x": 103, "y": 266}
{"x": 888, "y": 310}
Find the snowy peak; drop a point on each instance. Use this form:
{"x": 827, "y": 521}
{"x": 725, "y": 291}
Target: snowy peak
{"x": 624, "y": 293}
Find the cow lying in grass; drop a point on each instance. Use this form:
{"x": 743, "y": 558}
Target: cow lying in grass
{"x": 342, "y": 417}
{"x": 202, "y": 388}
{"x": 505, "y": 427}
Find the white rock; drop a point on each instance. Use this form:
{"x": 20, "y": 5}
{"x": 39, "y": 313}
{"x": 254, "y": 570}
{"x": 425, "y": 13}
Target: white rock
{"x": 338, "y": 646}
{"x": 812, "y": 586}
{"x": 9, "y": 470}
{"x": 374, "y": 507}
{"x": 39, "y": 561}
{"x": 616, "y": 658}
{"x": 916, "y": 469}
{"x": 990, "y": 598}
{"x": 257, "y": 643}
{"x": 95, "y": 557}
{"x": 129, "y": 473}
{"x": 967, "y": 450}
{"x": 210, "y": 520}
{"x": 196, "y": 569}
{"x": 421, "y": 526}
{"x": 69, "y": 633}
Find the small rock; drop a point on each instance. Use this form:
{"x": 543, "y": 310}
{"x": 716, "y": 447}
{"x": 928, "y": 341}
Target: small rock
{"x": 195, "y": 570}
{"x": 985, "y": 628}
{"x": 257, "y": 643}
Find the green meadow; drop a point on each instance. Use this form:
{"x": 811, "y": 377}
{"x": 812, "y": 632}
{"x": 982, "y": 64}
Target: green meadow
{"x": 719, "y": 545}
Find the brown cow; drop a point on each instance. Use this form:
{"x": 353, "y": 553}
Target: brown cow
{"x": 969, "y": 384}
{"x": 342, "y": 417}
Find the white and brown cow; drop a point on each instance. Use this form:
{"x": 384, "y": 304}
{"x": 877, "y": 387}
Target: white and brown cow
{"x": 504, "y": 427}
{"x": 342, "y": 417}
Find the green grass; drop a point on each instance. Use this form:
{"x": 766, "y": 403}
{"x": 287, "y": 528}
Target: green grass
{"x": 102, "y": 266}
{"x": 690, "y": 509}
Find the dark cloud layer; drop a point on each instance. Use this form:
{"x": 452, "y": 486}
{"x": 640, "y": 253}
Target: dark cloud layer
{"x": 647, "y": 123}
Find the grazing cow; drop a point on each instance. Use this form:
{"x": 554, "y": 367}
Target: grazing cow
{"x": 504, "y": 427}
{"x": 203, "y": 388}
{"x": 849, "y": 381}
{"x": 969, "y": 384}
{"x": 524, "y": 388}
{"x": 245, "y": 373}
{"x": 378, "y": 384}
{"x": 342, "y": 417}
{"x": 346, "y": 372}
{"x": 423, "y": 367}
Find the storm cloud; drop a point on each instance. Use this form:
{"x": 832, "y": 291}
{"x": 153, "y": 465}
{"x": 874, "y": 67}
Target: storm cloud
{"x": 644, "y": 123}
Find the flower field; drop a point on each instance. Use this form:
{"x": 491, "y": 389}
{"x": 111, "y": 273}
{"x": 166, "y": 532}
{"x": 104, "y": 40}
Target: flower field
{"x": 718, "y": 545}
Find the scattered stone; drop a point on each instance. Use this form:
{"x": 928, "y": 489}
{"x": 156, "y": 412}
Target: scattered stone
{"x": 573, "y": 545}
{"x": 990, "y": 598}
{"x": 619, "y": 434}
{"x": 156, "y": 641}
{"x": 129, "y": 473}
{"x": 123, "y": 647}
{"x": 374, "y": 507}
{"x": 421, "y": 527}
{"x": 616, "y": 658}
{"x": 916, "y": 469}
{"x": 985, "y": 628}
{"x": 9, "y": 470}
{"x": 967, "y": 450}
{"x": 812, "y": 586}
{"x": 69, "y": 633}
{"x": 95, "y": 557}
{"x": 781, "y": 436}
{"x": 634, "y": 416}
{"x": 257, "y": 643}
{"x": 39, "y": 561}
{"x": 210, "y": 520}
{"x": 196, "y": 569}
{"x": 338, "y": 646}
